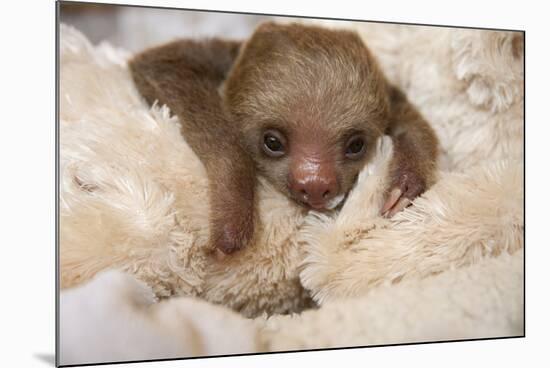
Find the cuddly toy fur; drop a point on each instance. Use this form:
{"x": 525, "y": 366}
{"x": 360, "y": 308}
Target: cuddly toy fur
{"x": 114, "y": 317}
{"x": 133, "y": 196}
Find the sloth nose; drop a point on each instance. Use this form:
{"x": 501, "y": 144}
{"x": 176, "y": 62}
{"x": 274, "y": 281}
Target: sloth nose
{"x": 315, "y": 190}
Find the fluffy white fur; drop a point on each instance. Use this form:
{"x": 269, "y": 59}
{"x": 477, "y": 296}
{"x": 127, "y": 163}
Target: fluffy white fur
{"x": 133, "y": 197}
{"x": 467, "y": 83}
{"x": 116, "y": 318}
{"x": 359, "y": 250}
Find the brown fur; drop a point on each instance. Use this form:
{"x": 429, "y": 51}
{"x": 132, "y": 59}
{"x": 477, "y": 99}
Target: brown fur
{"x": 318, "y": 87}
{"x": 185, "y": 75}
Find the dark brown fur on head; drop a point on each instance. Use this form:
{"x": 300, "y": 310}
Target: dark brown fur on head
{"x": 319, "y": 88}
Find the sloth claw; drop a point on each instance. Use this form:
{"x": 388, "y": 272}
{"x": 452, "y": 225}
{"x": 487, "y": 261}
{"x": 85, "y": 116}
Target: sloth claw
{"x": 410, "y": 185}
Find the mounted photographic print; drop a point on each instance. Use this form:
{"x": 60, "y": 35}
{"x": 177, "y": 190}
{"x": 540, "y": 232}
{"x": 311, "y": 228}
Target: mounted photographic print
{"x": 240, "y": 183}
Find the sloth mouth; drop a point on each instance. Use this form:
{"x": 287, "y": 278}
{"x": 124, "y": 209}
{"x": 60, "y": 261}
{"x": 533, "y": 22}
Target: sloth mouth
{"x": 335, "y": 202}
{"x": 325, "y": 205}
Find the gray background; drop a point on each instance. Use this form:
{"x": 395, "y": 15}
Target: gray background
{"x": 135, "y": 28}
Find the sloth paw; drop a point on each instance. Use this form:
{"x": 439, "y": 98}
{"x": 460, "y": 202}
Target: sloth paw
{"x": 405, "y": 188}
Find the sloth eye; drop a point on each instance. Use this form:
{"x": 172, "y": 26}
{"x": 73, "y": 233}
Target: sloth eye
{"x": 274, "y": 143}
{"x": 355, "y": 147}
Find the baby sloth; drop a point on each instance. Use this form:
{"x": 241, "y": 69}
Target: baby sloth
{"x": 300, "y": 105}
